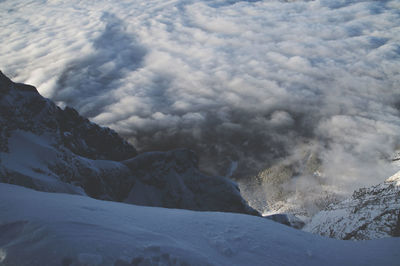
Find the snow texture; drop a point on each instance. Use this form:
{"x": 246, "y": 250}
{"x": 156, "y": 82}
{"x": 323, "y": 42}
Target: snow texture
{"x": 39, "y": 228}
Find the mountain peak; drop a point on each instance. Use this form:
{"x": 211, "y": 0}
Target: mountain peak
{"x": 6, "y": 84}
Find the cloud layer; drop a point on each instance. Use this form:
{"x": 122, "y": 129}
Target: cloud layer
{"x": 254, "y": 82}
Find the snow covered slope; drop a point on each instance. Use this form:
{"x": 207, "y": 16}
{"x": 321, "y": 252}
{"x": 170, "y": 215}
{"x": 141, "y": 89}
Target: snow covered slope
{"x": 38, "y": 228}
{"x": 369, "y": 214}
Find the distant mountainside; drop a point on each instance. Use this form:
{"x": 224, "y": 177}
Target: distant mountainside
{"x": 49, "y": 149}
{"x": 369, "y": 214}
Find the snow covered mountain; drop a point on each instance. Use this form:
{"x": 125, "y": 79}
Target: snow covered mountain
{"x": 369, "y": 214}
{"x": 49, "y": 149}
{"x": 46, "y": 149}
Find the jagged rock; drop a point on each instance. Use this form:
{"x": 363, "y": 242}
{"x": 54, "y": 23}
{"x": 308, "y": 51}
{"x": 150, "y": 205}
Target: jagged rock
{"x": 49, "y": 149}
{"x": 34, "y": 152}
{"x": 25, "y": 109}
{"x": 90, "y": 140}
{"x": 38, "y": 162}
{"x": 369, "y": 214}
{"x": 287, "y": 219}
{"x": 396, "y": 157}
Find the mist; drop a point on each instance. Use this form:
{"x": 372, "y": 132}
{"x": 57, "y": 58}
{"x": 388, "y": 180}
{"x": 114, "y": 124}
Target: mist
{"x": 257, "y": 88}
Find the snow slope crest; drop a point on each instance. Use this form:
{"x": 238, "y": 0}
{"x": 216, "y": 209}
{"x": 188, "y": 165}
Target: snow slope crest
{"x": 85, "y": 231}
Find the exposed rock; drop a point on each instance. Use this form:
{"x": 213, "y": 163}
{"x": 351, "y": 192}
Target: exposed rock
{"x": 396, "y": 157}
{"x": 36, "y": 161}
{"x": 369, "y": 214}
{"x": 172, "y": 179}
{"x": 287, "y": 219}
{"x": 25, "y": 109}
{"x": 90, "y": 140}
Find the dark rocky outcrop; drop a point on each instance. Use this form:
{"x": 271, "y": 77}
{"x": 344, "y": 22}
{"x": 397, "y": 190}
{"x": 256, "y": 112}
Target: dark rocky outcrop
{"x": 172, "y": 179}
{"x": 286, "y": 219}
{"x": 90, "y": 140}
{"x": 26, "y": 109}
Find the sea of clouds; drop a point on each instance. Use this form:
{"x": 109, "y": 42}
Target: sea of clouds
{"x": 247, "y": 84}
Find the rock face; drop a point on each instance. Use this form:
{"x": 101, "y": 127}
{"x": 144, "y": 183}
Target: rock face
{"x": 49, "y": 149}
{"x": 171, "y": 179}
{"x": 287, "y": 219}
{"x": 369, "y": 214}
{"x": 25, "y": 109}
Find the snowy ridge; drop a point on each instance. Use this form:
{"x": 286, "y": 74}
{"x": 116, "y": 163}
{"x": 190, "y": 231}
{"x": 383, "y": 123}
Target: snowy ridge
{"x": 85, "y": 231}
{"x": 23, "y": 108}
{"x": 370, "y": 213}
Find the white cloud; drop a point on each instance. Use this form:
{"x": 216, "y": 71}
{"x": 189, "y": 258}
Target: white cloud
{"x": 237, "y": 80}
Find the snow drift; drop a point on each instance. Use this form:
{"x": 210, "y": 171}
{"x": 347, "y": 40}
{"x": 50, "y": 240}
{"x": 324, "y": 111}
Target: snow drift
{"x": 38, "y": 228}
